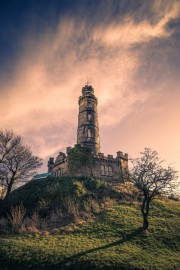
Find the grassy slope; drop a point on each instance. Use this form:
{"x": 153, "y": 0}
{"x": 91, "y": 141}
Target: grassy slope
{"x": 112, "y": 241}
{"x": 44, "y": 195}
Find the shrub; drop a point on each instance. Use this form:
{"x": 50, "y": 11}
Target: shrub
{"x": 94, "y": 184}
{"x": 78, "y": 189}
{"x": 173, "y": 197}
{"x": 91, "y": 205}
{"x": 71, "y": 207}
{"x": 3, "y": 225}
{"x": 16, "y": 216}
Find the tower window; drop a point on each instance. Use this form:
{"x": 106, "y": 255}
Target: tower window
{"x": 89, "y": 133}
{"x": 89, "y": 117}
{"x": 89, "y": 105}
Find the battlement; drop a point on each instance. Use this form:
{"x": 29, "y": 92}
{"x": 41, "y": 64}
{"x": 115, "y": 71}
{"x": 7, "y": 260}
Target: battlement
{"x": 87, "y": 88}
{"x": 120, "y": 155}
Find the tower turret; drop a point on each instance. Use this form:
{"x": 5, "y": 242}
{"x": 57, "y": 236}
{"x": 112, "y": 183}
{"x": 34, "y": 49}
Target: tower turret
{"x": 88, "y": 127}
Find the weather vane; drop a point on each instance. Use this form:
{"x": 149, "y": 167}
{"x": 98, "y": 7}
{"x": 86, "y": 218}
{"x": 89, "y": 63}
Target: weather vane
{"x": 87, "y": 83}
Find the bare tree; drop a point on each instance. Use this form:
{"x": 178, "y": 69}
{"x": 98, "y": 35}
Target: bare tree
{"x": 151, "y": 179}
{"x": 17, "y": 164}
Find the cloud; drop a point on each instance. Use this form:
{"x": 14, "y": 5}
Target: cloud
{"x": 129, "y": 32}
{"x": 40, "y": 100}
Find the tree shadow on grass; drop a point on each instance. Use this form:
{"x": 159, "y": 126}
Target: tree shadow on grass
{"x": 125, "y": 238}
{"x": 71, "y": 262}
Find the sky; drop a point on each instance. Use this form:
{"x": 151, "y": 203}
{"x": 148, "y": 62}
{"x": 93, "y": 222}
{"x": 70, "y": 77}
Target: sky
{"x": 128, "y": 50}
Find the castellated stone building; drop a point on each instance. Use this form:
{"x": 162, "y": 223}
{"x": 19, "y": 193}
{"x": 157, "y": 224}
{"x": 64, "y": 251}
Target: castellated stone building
{"x": 104, "y": 167}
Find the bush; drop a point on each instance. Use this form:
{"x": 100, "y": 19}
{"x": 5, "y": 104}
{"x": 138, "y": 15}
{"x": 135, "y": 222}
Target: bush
{"x": 173, "y": 197}
{"x": 54, "y": 201}
{"x": 16, "y": 216}
{"x": 3, "y": 225}
{"x": 94, "y": 184}
{"x": 79, "y": 189}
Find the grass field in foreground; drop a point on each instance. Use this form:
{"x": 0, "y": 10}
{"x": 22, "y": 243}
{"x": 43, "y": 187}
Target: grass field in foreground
{"x": 112, "y": 241}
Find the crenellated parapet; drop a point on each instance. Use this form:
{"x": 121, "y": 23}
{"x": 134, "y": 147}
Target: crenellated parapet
{"x": 120, "y": 155}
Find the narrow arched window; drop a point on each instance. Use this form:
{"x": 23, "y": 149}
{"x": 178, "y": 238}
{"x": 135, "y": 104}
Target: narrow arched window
{"x": 89, "y": 105}
{"x": 106, "y": 170}
{"x": 110, "y": 171}
{"x": 102, "y": 170}
{"x": 89, "y": 133}
{"x": 89, "y": 117}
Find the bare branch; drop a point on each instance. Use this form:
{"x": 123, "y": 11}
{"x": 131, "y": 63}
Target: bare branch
{"x": 17, "y": 163}
{"x": 151, "y": 178}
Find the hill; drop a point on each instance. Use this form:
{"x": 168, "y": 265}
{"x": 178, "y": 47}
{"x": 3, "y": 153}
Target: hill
{"x": 109, "y": 238}
{"x": 59, "y": 201}
{"x": 64, "y": 199}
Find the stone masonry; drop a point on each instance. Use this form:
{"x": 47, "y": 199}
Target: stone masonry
{"x": 105, "y": 167}
{"x": 88, "y": 126}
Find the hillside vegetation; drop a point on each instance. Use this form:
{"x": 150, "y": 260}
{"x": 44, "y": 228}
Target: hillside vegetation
{"x": 59, "y": 201}
{"x": 100, "y": 228}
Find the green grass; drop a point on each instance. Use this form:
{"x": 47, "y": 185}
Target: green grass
{"x": 112, "y": 241}
{"x": 44, "y": 195}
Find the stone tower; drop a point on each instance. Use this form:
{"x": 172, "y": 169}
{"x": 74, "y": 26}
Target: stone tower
{"x": 88, "y": 127}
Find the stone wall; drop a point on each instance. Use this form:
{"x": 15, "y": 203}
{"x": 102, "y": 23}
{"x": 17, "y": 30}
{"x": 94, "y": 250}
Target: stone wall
{"x": 60, "y": 166}
{"x": 104, "y": 167}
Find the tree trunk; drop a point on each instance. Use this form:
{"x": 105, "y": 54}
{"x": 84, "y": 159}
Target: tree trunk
{"x": 145, "y": 212}
{"x": 9, "y": 188}
{"x": 145, "y": 223}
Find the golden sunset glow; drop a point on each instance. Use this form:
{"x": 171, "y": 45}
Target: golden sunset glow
{"x": 132, "y": 64}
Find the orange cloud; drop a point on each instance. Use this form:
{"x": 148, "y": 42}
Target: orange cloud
{"x": 40, "y": 101}
{"x": 129, "y": 32}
